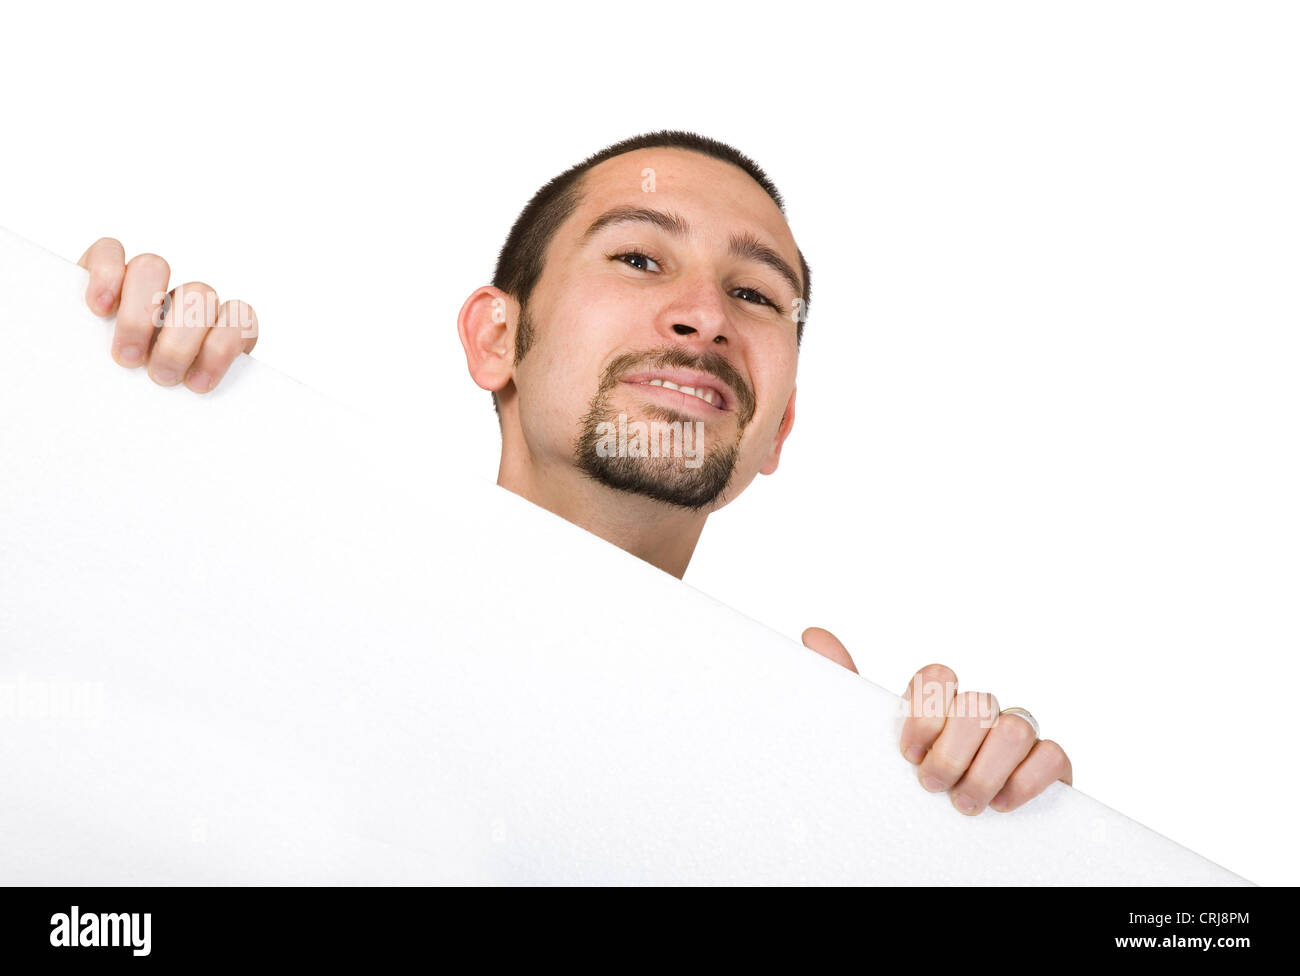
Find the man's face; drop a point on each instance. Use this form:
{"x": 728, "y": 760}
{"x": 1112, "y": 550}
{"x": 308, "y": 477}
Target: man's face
{"x": 625, "y": 304}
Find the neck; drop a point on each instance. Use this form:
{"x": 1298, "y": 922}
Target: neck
{"x": 663, "y": 535}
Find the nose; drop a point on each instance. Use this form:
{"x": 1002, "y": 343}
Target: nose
{"x": 682, "y": 329}
{"x": 697, "y": 316}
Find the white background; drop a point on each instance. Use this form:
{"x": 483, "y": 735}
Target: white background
{"x": 1047, "y": 415}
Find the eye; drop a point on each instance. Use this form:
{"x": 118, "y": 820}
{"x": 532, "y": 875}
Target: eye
{"x": 762, "y": 299}
{"x": 637, "y": 254}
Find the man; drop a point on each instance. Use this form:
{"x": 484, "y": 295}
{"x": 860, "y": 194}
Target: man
{"x": 655, "y": 288}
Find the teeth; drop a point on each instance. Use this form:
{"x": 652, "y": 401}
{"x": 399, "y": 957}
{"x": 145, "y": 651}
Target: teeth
{"x": 708, "y": 396}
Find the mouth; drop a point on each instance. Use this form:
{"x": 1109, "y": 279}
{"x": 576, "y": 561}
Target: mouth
{"x": 684, "y": 388}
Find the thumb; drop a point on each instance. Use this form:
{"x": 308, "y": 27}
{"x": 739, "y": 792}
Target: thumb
{"x": 106, "y": 262}
{"x": 828, "y": 645}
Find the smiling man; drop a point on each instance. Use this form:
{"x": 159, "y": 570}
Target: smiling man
{"x": 640, "y": 339}
{"x": 651, "y": 264}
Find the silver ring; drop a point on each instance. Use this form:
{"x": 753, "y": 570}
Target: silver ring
{"x": 1023, "y": 713}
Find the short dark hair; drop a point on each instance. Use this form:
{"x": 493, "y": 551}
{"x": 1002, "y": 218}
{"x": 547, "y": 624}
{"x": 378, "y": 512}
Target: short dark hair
{"x": 519, "y": 265}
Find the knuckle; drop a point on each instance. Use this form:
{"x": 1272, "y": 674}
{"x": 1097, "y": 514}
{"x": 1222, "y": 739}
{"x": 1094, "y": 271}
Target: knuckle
{"x": 220, "y": 348}
{"x": 942, "y": 767}
{"x": 981, "y": 789}
{"x": 930, "y": 689}
{"x": 926, "y": 706}
{"x": 221, "y": 342}
{"x": 1012, "y": 796}
{"x": 987, "y": 709}
{"x": 161, "y": 357}
{"x": 165, "y": 373}
{"x": 1056, "y": 755}
{"x": 1016, "y": 729}
{"x": 174, "y": 345}
{"x": 135, "y": 319}
{"x": 195, "y": 305}
{"x": 149, "y": 262}
{"x": 940, "y": 673}
{"x": 976, "y": 705}
{"x": 239, "y": 316}
{"x": 132, "y": 332}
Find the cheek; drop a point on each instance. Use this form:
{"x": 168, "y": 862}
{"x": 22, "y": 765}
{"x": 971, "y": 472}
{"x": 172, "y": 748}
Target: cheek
{"x": 583, "y": 336}
{"x": 601, "y": 327}
{"x": 560, "y": 374}
{"x": 773, "y": 394}
{"x": 554, "y": 395}
{"x": 773, "y": 383}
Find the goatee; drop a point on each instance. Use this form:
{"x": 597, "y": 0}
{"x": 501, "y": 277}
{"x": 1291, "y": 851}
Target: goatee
{"x": 666, "y": 478}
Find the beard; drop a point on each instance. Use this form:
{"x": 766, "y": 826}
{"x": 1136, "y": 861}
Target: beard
{"x": 666, "y": 478}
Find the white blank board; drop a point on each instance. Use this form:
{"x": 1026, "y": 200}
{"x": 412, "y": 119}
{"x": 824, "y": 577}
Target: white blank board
{"x": 254, "y": 638}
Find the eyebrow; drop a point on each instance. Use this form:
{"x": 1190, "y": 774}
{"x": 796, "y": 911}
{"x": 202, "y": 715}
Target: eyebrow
{"x": 746, "y": 246}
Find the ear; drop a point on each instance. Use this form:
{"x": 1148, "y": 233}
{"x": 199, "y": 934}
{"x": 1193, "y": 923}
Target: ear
{"x": 487, "y": 331}
{"x": 787, "y": 422}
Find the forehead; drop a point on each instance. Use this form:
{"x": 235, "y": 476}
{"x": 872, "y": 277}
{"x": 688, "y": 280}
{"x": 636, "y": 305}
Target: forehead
{"x": 717, "y": 198}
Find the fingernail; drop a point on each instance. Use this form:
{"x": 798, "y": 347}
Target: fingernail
{"x": 199, "y": 381}
{"x": 998, "y": 802}
{"x": 931, "y": 784}
{"x": 165, "y": 376}
{"x": 103, "y": 301}
{"x": 914, "y": 754}
{"x": 130, "y": 355}
{"x": 963, "y": 803}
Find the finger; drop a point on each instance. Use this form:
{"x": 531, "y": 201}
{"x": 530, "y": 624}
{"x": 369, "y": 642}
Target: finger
{"x": 1005, "y": 747}
{"x": 142, "y": 289}
{"x": 970, "y": 716}
{"x": 1045, "y": 764}
{"x": 235, "y": 331}
{"x": 925, "y": 703}
{"x": 193, "y": 311}
{"x": 106, "y": 262}
{"x": 828, "y": 645}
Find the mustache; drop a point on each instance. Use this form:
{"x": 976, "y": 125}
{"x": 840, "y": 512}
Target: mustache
{"x": 675, "y": 357}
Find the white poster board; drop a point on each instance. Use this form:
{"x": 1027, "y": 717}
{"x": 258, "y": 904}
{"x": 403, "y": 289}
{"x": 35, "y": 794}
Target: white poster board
{"x": 244, "y": 639}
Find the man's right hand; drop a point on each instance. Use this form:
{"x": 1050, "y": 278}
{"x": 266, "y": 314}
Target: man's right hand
{"x": 179, "y": 335}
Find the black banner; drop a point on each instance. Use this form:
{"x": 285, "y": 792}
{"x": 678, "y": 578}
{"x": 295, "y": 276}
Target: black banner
{"x": 149, "y": 927}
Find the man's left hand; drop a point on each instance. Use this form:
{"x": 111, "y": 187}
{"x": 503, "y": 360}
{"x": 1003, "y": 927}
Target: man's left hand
{"x": 961, "y": 743}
